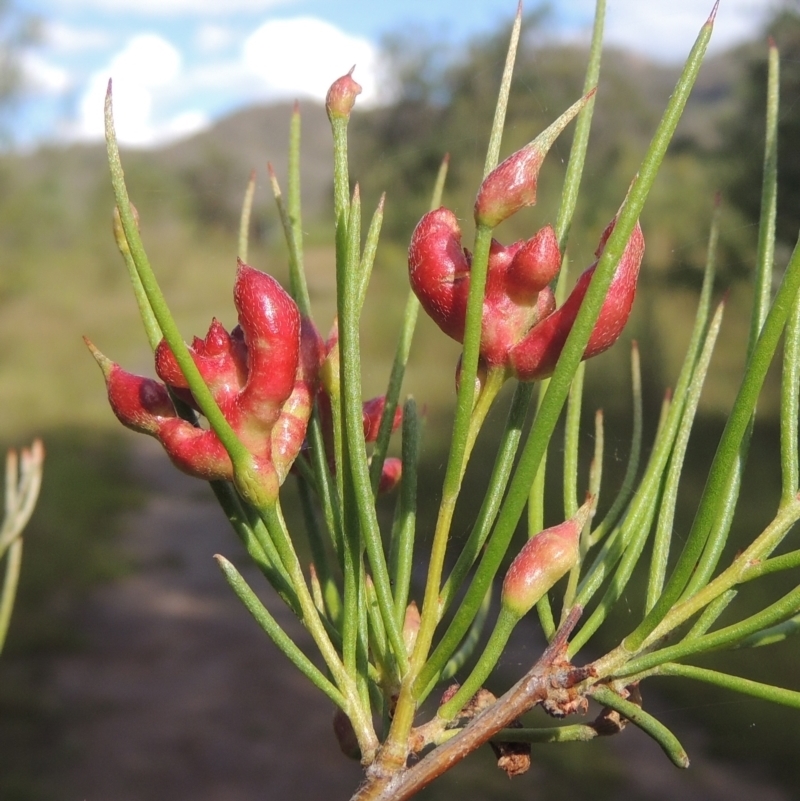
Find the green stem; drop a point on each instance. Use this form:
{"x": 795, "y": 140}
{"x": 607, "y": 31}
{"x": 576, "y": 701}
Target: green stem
{"x": 503, "y": 465}
{"x": 330, "y": 592}
{"x": 747, "y": 563}
{"x": 785, "y": 561}
{"x": 151, "y": 327}
{"x": 368, "y": 255}
{"x": 244, "y": 219}
{"x": 325, "y": 485}
{"x": 769, "y": 204}
{"x": 627, "y": 548}
{"x": 245, "y": 474}
{"x": 277, "y": 634}
{"x": 10, "y": 583}
{"x": 460, "y": 657}
{"x": 710, "y": 614}
{"x": 698, "y": 559}
{"x": 294, "y": 243}
{"x": 647, "y": 723}
{"x": 632, "y": 468}
{"x": 401, "y": 356}
{"x": 767, "y": 692}
{"x": 356, "y": 467}
{"x": 257, "y": 542}
{"x": 273, "y": 519}
{"x": 401, "y": 555}
{"x": 377, "y": 633}
{"x": 595, "y": 478}
{"x": 498, "y": 123}
{"x": 296, "y": 268}
{"x": 506, "y": 621}
{"x": 790, "y": 402}
{"x": 580, "y": 141}
{"x": 772, "y": 634}
{"x": 572, "y": 433}
{"x": 727, "y": 637}
{"x": 666, "y": 517}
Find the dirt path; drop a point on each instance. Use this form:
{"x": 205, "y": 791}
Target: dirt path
{"x": 178, "y": 695}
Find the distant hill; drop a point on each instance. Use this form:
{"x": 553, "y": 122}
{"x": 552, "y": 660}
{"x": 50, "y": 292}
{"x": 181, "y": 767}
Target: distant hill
{"x": 203, "y": 177}
{"x": 60, "y": 274}
{"x": 216, "y": 163}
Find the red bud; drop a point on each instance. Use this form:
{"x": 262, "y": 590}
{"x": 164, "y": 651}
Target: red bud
{"x": 390, "y": 475}
{"x": 543, "y": 560}
{"x": 341, "y": 96}
{"x": 372, "y": 411}
{"x": 411, "y": 624}
{"x": 512, "y": 184}
{"x": 534, "y": 266}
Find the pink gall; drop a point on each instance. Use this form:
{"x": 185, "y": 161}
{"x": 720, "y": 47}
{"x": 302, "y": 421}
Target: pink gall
{"x": 521, "y": 330}
{"x": 439, "y": 270}
{"x": 263, "y": 377}
{"x": 535, "y": 356}
{"x": 543, "y": 560}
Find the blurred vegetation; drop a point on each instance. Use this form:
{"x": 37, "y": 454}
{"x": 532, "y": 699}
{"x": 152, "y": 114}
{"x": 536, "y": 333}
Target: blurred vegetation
{"x": 19, "y": 29}
{"x": 60, "y": 277}
{"x": 744, "y": 137}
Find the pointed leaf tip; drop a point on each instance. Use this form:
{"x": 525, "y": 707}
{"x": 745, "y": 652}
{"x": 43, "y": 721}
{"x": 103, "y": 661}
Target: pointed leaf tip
{"x": 103, "y": 362}
{"x": 713, "y": 14}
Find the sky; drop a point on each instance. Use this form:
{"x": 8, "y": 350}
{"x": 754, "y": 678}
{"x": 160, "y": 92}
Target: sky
{"x": 178, "y": 65}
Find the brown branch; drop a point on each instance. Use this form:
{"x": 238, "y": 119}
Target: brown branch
{"x": 548, "y": 679}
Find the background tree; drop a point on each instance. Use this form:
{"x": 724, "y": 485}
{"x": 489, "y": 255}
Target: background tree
{"x": 744, "y": 133}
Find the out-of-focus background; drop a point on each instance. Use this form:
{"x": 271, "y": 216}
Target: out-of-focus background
{"x": 130, "y": 671}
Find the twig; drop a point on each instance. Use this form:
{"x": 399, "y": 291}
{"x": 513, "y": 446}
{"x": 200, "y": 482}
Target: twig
{"x": 549, "y": 678}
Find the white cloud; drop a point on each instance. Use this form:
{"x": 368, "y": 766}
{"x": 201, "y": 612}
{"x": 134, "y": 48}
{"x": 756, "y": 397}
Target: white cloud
{"x": 289, "y": 58}
{"x": 42, "y": 76}
{"x": 301, "y": 57}
{"x": 162, "y": 8}
{"x": 69, "y": 39}
{"x": 148, "y": 66}
{"x": 211, "y": 38}
{"x": 666, "y": 30}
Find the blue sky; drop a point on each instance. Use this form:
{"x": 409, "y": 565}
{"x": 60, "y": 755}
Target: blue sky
{"x": 179, "y": 64}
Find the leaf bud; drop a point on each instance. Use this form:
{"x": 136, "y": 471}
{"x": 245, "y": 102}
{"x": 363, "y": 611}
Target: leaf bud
{"x": 543, "y": 560}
